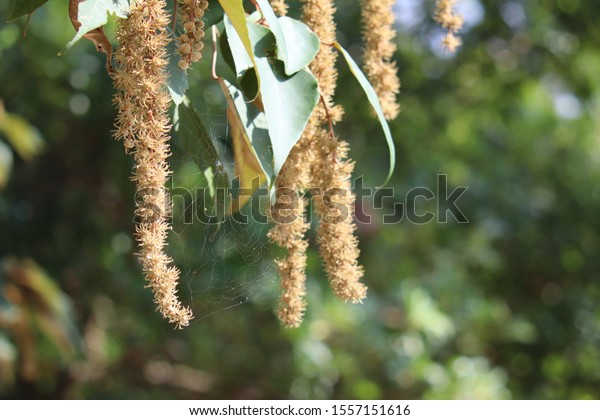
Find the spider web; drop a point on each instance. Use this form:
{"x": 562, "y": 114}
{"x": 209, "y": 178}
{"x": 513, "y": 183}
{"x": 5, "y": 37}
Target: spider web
{"x": 224, "y": 262}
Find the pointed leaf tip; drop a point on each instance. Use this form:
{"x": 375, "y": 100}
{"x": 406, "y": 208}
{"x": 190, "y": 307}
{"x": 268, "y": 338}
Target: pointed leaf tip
{"x": 374, "y": 101}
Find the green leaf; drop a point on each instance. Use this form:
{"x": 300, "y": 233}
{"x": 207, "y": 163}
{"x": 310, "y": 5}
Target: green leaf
{"x": 94, "y": 13}
{"x": 297, "y": 45}
{"x": 194, "y": 139}
{"x": 248, "y": 167}
{"x": 241, "y": 61}
{"x": 288, "y": 100}
{"x": 177, "y": 78}
{"x": 245, "y": 74}
{"x": 374, "y": 100}
{"x": 256, "y": 126}
{"x": 234, "y": 10}
{"x": 214, "y": 14}
{"x": 24, "y": 7}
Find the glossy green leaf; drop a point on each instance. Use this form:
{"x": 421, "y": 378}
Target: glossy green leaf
{"x": 246, "y": 76}
{"x": 94, "y": 13}
{"x": 194, "y": 139}
{"x": 24, "y": 7}
{"x": 256, "y": 126}
{"x": 214, "y": 14}
{"x": 248, "y": 167}
{"x": 288, "y": 101}
{"x": 374, "y": 101}
{"x": 297, "y": 45}
{"x": 234, "y": 10}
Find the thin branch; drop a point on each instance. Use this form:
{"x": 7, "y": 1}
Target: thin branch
{"x": 215, "y": 34}
{"x": 24, "y": 34}
{"x": 328, "y": 115}
{"x": 174, "y": 23}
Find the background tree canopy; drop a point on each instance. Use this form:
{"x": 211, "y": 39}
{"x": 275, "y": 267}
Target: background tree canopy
{"x": 505, "y": 306}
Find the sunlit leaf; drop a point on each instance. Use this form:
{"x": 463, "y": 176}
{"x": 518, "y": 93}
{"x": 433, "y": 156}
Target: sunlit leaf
{"x": 288, "y": 101}
{"x": 240, "y": 64}
{"x": 248, "y": 168}
{"x": 297, "y": 45}
{"x": 24, "y": 7}
{"x": 237, "y": 17}
{"x": 194, "y": 139}
{"x": 97, "y": 35}
{"x": 374, "y": 101}
{"x": 93, "y": 14}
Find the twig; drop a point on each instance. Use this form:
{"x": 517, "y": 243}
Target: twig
{"x": 174, "y": 23}
{"x": 329, "y": 120}
{"x": 215, "y": 34}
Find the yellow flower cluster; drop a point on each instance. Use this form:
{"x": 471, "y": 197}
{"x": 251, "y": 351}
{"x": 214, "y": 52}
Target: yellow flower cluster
{"x": 142, "y": 123}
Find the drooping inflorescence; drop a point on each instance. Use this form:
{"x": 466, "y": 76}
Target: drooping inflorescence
{"x": 379, "y": 37}
{"x": 143, "y": 125}
{"x": 318, "y": 162}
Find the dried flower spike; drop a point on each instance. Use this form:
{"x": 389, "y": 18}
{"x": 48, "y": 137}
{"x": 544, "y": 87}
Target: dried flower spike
{"x": 330, "y": 170}
{"x": 444, "y": 15}
{"x": 288, "y": 232}
{"x": 142, "y": 123}
{"x": 379, "y": 35}
{"x": 318, "y": 16}
{"x": 338, "y": 245}
{"x": 191, "y": 42}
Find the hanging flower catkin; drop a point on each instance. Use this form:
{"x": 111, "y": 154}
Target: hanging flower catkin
{"x": 142, "y": 123}
{"x": 290, "y": 234}
{"x": 452, "y": 22}
{"x": 331, "y": 171}
{"x": 295, "y": 177}
{"x": 379, "y": 35}
{"x": 191, "y": 41}
{"x": 289, "y": 230}
{"x": 338, "y": 246}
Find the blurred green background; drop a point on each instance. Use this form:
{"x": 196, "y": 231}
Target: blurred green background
{"x": 505, "y": 306}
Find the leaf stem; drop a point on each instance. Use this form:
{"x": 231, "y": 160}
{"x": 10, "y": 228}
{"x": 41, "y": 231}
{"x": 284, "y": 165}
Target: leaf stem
{"x": 174, "y": 23}
{"x": 329, "y": 120}
{"x": 215, "y": 34}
